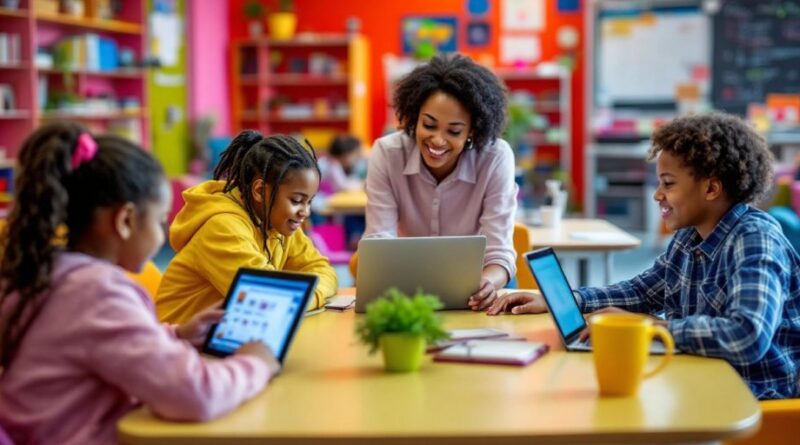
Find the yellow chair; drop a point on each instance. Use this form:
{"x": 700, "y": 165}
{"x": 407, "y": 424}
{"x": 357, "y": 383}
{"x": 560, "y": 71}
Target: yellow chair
{"x": 353, "y": 265}
{"x": 149, "y": 278}
{"x": 778, "y": 424}
{"x": 522, "y": 244}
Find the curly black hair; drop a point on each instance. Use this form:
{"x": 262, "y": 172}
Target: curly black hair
{"x": 719, "y": 145}
{"x": 473, "y": 85}
{"x": 52, "y": 195}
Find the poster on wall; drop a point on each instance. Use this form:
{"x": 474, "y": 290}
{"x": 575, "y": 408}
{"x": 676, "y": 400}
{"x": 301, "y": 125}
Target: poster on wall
{"x": 426, "y": 36}
{"x": 478, "y": 34}
{"x": 522, "y": 15}
{"x": 516, "y": 50}
{"x": 477, "y": 7}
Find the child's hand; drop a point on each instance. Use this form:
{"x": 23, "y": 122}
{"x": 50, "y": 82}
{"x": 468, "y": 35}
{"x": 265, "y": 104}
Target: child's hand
{"x": 484, "y": 297}
{"x": 530, "y": 302}
{"x": 196, "y": 329}
{"x": 262, "y": 351}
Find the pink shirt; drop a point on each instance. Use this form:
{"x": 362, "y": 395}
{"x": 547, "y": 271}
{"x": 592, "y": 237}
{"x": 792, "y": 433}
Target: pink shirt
{"x": 478, "y": 198}
{"x": 96, "y": 351}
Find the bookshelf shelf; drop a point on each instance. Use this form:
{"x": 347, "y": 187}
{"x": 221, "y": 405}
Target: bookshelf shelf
{"x": 316, "y": 40}
{"x": 88, "y": 44}
{"x": 322, "y": 79}
{"x": 321, "y": 119}
{"x": 14, "y": 114}
{"x": 299, "y": 80}
{"x": 105, "y": 115}
{"x": 114, "y": 26}
{"x": 116, "y": 74}
{"x": 14, "y": 66}
{"x": 19, "y": 13}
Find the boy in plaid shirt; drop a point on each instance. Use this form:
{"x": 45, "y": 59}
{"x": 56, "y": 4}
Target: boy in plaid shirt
{"x": 728, "y": 284}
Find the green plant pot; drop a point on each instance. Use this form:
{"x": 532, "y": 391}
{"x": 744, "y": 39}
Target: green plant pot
{"x": 402, "y": 352}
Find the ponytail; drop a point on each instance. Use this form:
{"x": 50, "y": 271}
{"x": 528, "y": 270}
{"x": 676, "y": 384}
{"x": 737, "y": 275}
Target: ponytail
{"x": 65, "y": 174}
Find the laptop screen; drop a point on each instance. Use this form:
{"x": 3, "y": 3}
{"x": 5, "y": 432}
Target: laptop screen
{"x": 264, "y": 308}
{"x": 557, "y": 292}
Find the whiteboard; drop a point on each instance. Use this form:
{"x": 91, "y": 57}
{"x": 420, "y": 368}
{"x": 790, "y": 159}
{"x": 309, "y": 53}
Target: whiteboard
{"x": 642, "y": 56}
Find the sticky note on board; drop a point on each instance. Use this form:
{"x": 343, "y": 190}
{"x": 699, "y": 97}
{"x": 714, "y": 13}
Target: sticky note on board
{"x": 687, "y": 91}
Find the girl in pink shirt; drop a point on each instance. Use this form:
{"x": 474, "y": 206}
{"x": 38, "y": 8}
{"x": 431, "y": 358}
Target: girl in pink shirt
{"x": 80, "y": 345}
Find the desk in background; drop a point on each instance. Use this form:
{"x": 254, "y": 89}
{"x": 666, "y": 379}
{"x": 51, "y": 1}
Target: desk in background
{"x": 332, "y": 391}
{"x": 345, "y": 203}
{"x": 562, "y": 239}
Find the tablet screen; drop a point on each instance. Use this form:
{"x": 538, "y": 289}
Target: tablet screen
{"x": 263, "y": 306}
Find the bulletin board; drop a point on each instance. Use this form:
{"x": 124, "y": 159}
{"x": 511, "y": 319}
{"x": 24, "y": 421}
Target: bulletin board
{"x": 643, "y": 53}
{"x": 756, "y": 52}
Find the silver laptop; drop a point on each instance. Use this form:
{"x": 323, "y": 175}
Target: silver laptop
{"x": 446, "y": 266}
{"x": 561, "y": 302}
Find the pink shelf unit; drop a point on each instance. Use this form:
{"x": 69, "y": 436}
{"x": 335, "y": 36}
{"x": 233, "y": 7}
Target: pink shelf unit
{"x": 41, "y": 29}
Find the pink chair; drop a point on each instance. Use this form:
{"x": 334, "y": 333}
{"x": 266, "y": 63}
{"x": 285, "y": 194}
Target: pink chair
{"x": 329, "y": 239}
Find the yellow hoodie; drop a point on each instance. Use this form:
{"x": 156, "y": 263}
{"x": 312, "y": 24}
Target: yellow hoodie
{"x": 213, "y": 237}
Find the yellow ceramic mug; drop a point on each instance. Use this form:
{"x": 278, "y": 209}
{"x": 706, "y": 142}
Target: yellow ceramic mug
{"x": 621, "y": 345}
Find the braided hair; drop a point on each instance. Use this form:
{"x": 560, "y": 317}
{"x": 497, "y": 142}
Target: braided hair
{"x": 55, "y": 205}
{"x": 252, "y": 156}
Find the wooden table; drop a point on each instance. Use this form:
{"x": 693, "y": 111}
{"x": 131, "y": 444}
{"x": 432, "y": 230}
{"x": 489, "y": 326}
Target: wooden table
{"x": 332, "y": 391}
{"x": 609, "y": 239}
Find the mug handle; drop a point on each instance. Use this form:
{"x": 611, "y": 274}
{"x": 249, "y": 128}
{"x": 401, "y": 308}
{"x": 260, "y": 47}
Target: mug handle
{"x": 662, "y": 333}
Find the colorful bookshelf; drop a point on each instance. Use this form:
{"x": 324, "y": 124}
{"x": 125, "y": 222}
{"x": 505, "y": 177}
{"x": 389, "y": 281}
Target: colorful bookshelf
{"x": 546, "y": 148}
{"x": 80, "y": 64}
{"x": 316, "y": 86}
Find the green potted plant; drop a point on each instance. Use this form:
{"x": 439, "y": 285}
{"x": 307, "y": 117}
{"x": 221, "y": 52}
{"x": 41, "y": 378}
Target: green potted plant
{"x": 283, "y": 22}
{"x": 401, "y": 325}
{"x": 254, "y": 12}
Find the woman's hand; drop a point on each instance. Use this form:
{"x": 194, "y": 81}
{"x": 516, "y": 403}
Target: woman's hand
{"x": 196, "y": 329}
{"x": 529, "y": 302}
{"x": 484, "y": 297}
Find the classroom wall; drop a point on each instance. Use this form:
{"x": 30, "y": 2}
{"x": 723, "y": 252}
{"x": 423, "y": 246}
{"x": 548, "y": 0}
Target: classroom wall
{"x": 209, "y": 38}
{"x": 381, "y": 22}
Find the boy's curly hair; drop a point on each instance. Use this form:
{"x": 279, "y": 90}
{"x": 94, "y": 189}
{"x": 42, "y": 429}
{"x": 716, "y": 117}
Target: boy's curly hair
{"x": 473, "y": 85}
{"x": 721, "y": 146}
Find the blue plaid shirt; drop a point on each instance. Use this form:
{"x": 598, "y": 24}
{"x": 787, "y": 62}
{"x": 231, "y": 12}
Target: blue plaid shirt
{"x": 734, "y": 295}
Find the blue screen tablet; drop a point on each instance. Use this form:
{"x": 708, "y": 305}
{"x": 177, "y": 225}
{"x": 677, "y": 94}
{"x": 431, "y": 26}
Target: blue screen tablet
{"x": 264, "y": 306}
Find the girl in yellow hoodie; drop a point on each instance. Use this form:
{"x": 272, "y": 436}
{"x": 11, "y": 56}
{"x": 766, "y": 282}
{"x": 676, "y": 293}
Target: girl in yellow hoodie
{"x": 248, "y": 216}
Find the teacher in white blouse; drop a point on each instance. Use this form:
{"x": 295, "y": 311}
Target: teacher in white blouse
{"x": 446, "y": 172}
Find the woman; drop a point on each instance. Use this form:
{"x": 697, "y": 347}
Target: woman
{"x": 446, "y": 172}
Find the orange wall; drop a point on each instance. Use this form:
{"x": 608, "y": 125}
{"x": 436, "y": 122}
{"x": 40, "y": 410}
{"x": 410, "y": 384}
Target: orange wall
{"x": 381, "y": 21}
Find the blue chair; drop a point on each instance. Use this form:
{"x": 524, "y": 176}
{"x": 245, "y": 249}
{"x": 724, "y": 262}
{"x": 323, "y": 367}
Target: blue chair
{"x": 790, "y": 223}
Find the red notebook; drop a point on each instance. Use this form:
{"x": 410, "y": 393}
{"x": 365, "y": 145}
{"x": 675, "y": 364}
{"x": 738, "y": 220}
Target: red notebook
{"x": 498, "y": 352}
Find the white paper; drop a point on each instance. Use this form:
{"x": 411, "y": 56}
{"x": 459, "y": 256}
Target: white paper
{"x": 462, "y": 334}
{"x": 631, "y": 61}
{"x": 340, "y": 302}
{"x": 526, "y": 49}
{"x": 167, "y": 31}
{"x": 522, "y": 15}
{"x": 510, "y": 351}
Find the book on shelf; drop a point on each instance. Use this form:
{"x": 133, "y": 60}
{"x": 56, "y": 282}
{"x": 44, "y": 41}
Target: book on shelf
{"x": 10, "y": 48}
{"x": 89, "y": 52}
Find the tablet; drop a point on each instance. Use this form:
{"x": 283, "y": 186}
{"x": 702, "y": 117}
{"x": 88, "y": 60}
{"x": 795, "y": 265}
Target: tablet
{"x": 264, "y": 306}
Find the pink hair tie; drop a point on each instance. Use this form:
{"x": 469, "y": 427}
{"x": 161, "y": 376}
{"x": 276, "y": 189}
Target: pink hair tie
{"x": 85, "y": 150}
